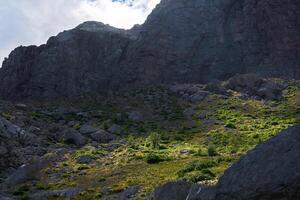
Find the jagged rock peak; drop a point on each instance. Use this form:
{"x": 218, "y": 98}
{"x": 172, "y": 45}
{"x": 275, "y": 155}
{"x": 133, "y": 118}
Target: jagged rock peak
{"x": 94, "y": 26}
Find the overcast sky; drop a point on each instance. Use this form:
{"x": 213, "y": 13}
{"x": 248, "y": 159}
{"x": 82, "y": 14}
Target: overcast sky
{"x": 27, "y": 22}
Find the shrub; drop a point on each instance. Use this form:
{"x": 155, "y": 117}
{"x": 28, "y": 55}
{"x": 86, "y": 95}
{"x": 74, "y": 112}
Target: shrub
{"x": 204, "y": 175}
{"x": 131, "y": 142}
{"x": 153, "y": 158}
{"x": 230, "y": 125}
{"x": 211, "y": 150}
{"x": 196, "y": 166}
{"x": 154, "y": 139}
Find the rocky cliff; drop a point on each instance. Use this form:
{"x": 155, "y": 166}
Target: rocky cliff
{"x": 181, "y": 41}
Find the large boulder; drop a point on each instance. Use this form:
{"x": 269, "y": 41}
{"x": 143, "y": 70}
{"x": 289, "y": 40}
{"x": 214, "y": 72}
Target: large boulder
{"x": 269, "y": 172}
{"x": 253, "y": 85}
{"x": 87, "y": 129}
{"x": 71, "y": 136}
{"x": 102, "y": 136}
{"x": 176, "y": 190}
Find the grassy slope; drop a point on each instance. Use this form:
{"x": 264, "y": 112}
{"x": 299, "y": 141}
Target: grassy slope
{"x": 227, "y": 127}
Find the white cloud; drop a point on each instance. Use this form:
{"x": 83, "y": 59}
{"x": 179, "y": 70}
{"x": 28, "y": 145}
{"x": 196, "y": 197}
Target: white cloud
{"x": 26, "y": 22}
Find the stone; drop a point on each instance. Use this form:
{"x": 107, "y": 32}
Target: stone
{"x": 253, "y": 85}
{"x": 87, "y": 129}
{"x": 3, "y": 151}
{"x": 67, "y": 194}
{"x": 270, "y": 172}
{"x": 10, "y": 129}
{"x": 27, "y": 172}
{"x": 71, "y": 136}
{"x": 175, "y": 190}
{"x": 129, "y": 193}
{"x": 4, "y": 196}
{"x": 84, "y": 159}
{"x": 116, "y": 129}
{"x": 135, "y": 116}
{"x": 188, "y": 113}
{"x": 102, "y": 136}
{"x": 21, "y": 106}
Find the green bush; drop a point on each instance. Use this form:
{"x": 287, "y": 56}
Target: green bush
{"x": 154, "y": 139}
{"x": 230, "y": 125}
{"x": 154, "y": 158}
{"x": 196, "y": 166}
{"x": 211, "y": 150}
{"x": 203, "y": 175}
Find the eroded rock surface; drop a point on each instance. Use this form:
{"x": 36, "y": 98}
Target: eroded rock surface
{"x": 181, "y": 42}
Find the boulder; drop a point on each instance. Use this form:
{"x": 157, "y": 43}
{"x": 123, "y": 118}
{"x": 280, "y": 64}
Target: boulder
{"x": 116, "y": 129}
{"x": 102, "y": 136}
{"x": 27, "y": 172}
{"x": 135, "y": 116}
{"x": 67, "y": 194}
{"x": 253, "y": 85}
{"x": 71, "y": 136}
{"x": 84, "y": 159}
{"x": 188, "y": 113}
{"x": 175, "y": 190}
{"x": 129, "y": 193}
{"x": 9, "y": 129}
{"x": 87, "y": 129}
{"x": 269, "y": 172}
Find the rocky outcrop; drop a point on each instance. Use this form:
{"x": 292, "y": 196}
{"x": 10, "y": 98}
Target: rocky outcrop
{"x": 255, "y": 86}
{"x": 268, "y": 172}
{"x": 78, "y": 61}
{"x": 183, "y": 41}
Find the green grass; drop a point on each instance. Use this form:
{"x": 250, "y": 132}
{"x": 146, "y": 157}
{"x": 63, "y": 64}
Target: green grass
{"x": 199, "y": 151}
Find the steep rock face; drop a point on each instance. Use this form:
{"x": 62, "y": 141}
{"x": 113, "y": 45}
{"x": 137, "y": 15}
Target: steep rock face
{"x": 182, "y": 41}
{"x": 201, "y": 40}
{"x": 75, "y": 61}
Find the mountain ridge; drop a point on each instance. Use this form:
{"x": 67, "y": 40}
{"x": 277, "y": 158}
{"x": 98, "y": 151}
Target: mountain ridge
{"x": 181, "y": 42}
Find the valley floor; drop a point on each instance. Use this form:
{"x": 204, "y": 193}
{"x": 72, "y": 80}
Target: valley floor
{"x": 145, "y": 138}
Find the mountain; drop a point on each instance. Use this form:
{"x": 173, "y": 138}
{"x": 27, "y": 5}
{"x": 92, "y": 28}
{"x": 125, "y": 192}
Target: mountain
{"x": 182, "y": 41}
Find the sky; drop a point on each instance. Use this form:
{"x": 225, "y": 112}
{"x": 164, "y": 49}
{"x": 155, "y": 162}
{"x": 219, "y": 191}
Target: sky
{"x": 32, "y": 22}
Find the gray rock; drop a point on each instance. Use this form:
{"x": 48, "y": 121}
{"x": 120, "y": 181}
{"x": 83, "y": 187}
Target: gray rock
{"x": 102, "y": 136}
{"x": 116, "y": 129}
{"x": 3, "y": 151}
{"x": 87, "y": 129}
{"x": 72, "y": 136}
{"x": 21, "y": 106}
{"x": 68, "y": 194}
{"x": 253, "y": 85}
{"x": 188, "y": 113}
{"x": 129, "y": 193}
{"x": 176, "y": 190}
{"x": 4, "y": 196}
{"x": 270, "y": 171}
{"x": 27, "y": 172}
{"x": 84, "y": 159}
{"x": 10, "y": 130}
{"x": 135, "y": 116}
{"x": 198, "y": 96}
